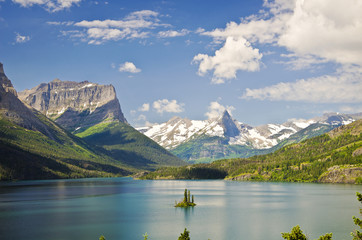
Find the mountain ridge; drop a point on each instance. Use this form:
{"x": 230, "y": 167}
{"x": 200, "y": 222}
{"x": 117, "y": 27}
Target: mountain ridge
{"x": 225, "y": 137}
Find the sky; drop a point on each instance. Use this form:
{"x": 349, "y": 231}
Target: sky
{"x": 264, "y": 61}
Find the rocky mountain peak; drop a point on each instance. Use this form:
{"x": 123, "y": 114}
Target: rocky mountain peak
{"x": 5, "y": 82}
{"x": 75, "y": 105}
{"x": 229, "y": 126}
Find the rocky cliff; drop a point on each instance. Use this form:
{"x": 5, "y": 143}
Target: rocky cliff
{"x": 12, "y": 109}
{"x": 75, "y": 105}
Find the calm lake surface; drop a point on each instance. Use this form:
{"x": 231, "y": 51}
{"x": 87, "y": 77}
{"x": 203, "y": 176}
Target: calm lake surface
{"x": 122, "y": 208}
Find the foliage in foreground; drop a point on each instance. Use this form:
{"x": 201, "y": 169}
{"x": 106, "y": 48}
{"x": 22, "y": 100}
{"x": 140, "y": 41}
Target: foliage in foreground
{"x": 185, "y": 235}
{"x": 357, "y": 235}
{"x": 297, "y": 234}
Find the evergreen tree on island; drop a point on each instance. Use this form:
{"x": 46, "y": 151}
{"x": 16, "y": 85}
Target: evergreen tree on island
{"x": 186, "y": 201}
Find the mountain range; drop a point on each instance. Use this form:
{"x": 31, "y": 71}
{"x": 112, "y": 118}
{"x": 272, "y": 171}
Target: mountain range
{"x": 333, "y": 157}
{"x": 67, "y": 129}
{"x": 225, "y": 137}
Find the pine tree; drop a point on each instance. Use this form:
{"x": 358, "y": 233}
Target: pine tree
{"x": 192, "y": 198}
{"x": 185, "y": 195}
{"x": 188, "y": 197}
{"x": 185, "y": 235}
{"x": 327, "y": 236}
{"x": 357, "y": 235}
{"x": 295, "y": 234}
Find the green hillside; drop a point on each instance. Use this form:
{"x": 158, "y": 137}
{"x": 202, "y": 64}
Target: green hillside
{"x": 127, "y": 145}
{"x": 28, "y": 154}
{"x": 332, "y": 157}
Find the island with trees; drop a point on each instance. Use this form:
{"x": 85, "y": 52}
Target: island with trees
{"x": 188, "y": 200}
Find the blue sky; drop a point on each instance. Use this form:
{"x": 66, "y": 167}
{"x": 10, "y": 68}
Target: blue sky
{"x": 265, "y": 61}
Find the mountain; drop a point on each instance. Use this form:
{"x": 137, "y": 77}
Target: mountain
{"x": 333, "y": 157}
{"x": 75, "y": 105}
{"x": 34, "y": 147}
{"x": 92, "y": 112}
{"x": 225, "y": 137}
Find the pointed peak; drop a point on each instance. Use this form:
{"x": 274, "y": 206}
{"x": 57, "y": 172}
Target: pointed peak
{"x": 1, "y": 68}
{"x": 226, "y": 114}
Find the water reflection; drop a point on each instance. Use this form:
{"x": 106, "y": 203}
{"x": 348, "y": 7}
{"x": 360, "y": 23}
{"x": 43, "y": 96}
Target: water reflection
{"x": 125, "y": 209}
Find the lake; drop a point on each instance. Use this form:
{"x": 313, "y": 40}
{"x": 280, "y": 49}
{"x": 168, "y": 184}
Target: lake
{"x": 122, "y": 208}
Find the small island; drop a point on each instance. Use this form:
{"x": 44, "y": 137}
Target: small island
{"x": 186, "y": 201}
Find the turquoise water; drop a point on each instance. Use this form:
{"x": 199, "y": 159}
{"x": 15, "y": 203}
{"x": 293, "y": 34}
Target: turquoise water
{"x": 122, "y": 208}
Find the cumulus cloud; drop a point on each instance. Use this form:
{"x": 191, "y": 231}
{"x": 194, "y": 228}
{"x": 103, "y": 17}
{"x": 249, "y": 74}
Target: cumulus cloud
{"x": 144, "y": 108}
{"x": 173, "y": 33}
{"x": 345, "y": 86}
{"x": 236, "y": 54}
{"x": 136, "y": 25}
{"x": 128, "y": 67}
{"x": 313, "y": 32}
{"x": 49, "y": 5}
{"x": 216, "y": 110}
{"x": 21, "y": 39}
{"x": 166, "y": 105}
{"x": 322, "y": 29}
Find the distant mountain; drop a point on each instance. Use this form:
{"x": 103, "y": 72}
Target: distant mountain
{"x": 333, "y": 157}
{"x": 92, "y": 112}
{"x": 225, "y": 137}
{"x": 34, "y": 147}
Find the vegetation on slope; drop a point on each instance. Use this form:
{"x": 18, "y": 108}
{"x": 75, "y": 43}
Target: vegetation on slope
{"x": 28, "y": 154}
{"x": 308, "y": 161}
{"x": 125, "y": 144}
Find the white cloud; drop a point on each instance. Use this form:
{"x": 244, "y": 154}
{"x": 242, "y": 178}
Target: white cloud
{"x": 21, "y": 39}
{"x": 142, "y": 14}
{"x": 129, "y": 67}
{"x": 345, "y": 86}
{"x": 313, "y": 32}
{"x": 135, "y": 25}
{"x": 65, "y": 23}
{"x": 144, "y": 108}
{"x": 236, "y": 54}
{"x": 330, "y": 29}
{"x": 295, "y": 62}
{"x": 216, "y": 110}
{"x": 49, "y": 5}
{"x": 166, "y": 105}
{"x": 172, "y": 33}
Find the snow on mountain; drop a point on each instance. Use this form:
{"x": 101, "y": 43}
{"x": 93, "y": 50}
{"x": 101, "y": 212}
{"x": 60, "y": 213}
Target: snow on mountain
{"x": 180, "y": 130}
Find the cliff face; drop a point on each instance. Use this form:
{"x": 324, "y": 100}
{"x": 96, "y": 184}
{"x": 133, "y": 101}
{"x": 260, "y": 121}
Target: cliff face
{"x": 5, "y": 82}
{"x": 75, "y": 105}
{"x": 12, "y": 109}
